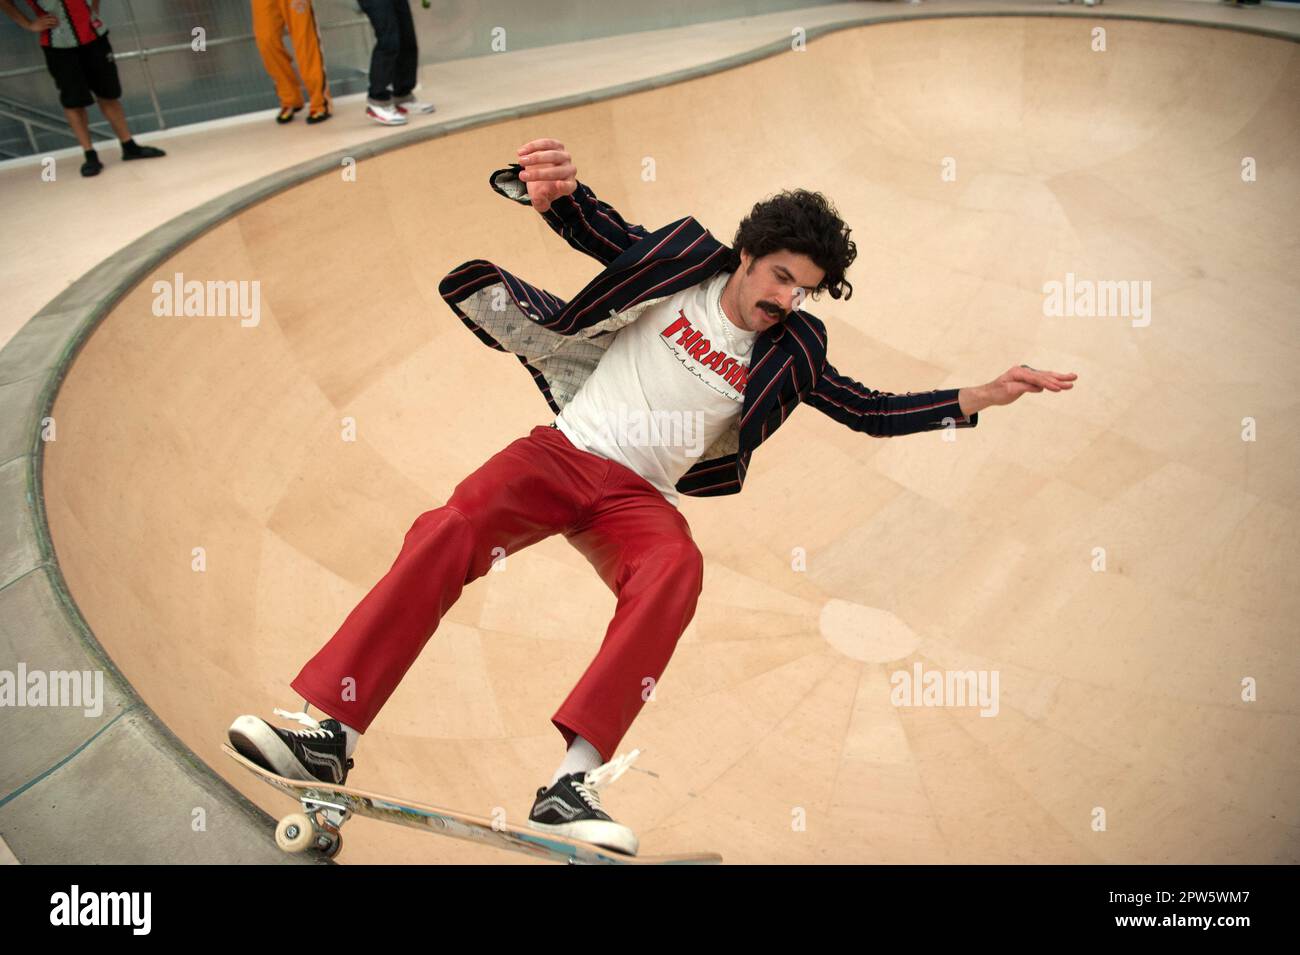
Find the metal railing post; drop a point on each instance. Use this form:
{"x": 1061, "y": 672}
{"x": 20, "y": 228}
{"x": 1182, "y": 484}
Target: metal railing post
{"x": 144, "y": 61}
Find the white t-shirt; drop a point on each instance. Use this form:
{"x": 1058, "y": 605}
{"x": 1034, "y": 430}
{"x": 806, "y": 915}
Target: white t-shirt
{"x": 670, "y": 384}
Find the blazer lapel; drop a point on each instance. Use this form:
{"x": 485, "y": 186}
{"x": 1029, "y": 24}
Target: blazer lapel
{"x": 679, "y": 255}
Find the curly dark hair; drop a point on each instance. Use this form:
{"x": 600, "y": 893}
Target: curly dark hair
{"x": 802, "y": 222}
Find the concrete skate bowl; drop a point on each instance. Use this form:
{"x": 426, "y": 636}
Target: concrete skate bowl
{"x": 1119, "y": 557}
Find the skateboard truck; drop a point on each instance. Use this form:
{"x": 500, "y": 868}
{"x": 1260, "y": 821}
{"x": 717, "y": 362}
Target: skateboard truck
{"x": 317, "y": 826}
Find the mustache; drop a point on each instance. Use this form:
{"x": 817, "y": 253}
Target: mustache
{"x": 772, "y": 309}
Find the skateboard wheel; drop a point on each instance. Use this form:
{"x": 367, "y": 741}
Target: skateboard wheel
{"x": 294, "y": 833}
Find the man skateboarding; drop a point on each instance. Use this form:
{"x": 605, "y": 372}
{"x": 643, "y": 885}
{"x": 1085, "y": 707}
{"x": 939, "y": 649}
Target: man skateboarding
{"x": 665, "y": 373}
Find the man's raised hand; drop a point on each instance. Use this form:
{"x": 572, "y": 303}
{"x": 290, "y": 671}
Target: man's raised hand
{"x": 548, "y": 171}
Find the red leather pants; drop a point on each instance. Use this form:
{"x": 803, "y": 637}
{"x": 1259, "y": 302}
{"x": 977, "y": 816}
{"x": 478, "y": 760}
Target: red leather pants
{"x": 539, "y": 485}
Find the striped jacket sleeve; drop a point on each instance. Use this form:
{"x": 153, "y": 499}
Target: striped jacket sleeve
{"x": 586, "y": 223}
{"x": 883, "y": 414}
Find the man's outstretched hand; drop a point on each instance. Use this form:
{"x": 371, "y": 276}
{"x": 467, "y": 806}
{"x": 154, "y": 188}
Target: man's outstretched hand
{"x": 1011, "y": 385}
{"x": 548, "y": 171}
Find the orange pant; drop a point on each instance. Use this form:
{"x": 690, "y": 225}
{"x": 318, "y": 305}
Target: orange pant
{"x": 270, "y": 17}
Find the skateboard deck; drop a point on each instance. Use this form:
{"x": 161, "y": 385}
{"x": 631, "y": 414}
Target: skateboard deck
{"x": 325, "y": 808}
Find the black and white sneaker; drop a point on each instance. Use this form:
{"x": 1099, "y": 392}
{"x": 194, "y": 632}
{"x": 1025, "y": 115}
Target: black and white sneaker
{"x": 571, "y": 807}
{"x": 315, "y": 754}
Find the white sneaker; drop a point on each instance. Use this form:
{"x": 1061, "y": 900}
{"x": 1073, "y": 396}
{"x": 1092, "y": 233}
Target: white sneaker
{"x": 385, "y": 114}
{"x": 409, "y": 104}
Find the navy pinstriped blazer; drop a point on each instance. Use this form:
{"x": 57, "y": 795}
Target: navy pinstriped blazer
{"x": 561, "y": 342}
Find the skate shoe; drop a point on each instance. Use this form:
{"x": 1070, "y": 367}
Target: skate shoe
{"x": 571, "y": 807}
{"x": 315, "y": 754}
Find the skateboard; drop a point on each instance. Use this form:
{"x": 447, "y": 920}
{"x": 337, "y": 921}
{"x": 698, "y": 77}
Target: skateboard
{"x": 326, "y": 807}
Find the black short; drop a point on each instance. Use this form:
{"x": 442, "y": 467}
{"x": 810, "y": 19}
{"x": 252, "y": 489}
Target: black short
{"x": 80, "y": 71}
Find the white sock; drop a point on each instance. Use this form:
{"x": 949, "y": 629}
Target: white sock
{"x": 581, "y": 758}
{"x": 353, "y": 738}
